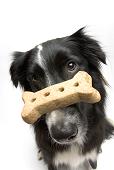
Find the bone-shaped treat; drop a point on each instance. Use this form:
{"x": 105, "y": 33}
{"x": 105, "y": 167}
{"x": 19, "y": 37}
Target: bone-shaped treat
{"x": 77, "y": 89}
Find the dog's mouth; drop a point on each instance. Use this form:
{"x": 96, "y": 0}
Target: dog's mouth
{"x": 69, "y": 141}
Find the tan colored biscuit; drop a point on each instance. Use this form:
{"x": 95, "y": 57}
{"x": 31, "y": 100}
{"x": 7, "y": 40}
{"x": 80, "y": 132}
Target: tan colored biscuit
{"x": 77, "y": 89}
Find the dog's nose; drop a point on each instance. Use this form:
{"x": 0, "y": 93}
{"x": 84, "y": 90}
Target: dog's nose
{"x": 64, "y": 133}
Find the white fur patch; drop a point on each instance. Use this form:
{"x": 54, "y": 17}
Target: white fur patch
{"x": 54, "y": 117}
{"x": 73, "y": 157}
{"x": 41, "y": 62}
{"x": 40, "y": 48}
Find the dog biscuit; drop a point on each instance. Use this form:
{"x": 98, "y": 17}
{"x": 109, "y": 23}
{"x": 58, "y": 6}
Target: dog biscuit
{"x": 77, "y": 89}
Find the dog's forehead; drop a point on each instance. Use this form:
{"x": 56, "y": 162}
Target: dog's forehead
{"x": 39, "y": 55}
{"x": 44, "y": 56}
{"x": 45, "y": 59}
{"x": 48, "y": 51}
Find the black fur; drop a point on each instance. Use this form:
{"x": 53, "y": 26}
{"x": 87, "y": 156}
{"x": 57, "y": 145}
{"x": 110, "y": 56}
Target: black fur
{"x": 88, "y": 54}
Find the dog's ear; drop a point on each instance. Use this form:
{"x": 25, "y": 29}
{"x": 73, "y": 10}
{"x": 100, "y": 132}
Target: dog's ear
{"x": 88, "y": 46}
{"x": 78, "y": 34}
{"x": 19, "y": 68}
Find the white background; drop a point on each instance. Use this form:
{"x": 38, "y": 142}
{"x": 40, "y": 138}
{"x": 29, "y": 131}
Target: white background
{"x": 24, "y": 24}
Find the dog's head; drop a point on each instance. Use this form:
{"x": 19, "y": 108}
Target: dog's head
{"x": 56, "y": 61}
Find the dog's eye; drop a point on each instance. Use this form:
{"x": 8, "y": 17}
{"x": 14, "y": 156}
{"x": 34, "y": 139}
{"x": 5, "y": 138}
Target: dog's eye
{"x": 71, "y": 65}
{"x": 31, "y": 79}
{"x": 34, "y": 80}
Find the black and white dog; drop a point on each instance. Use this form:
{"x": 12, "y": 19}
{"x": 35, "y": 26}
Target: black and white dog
{"x": 69, "y": 138}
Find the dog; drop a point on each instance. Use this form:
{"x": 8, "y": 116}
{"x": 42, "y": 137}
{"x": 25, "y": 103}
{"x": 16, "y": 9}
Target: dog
{"x": 69, "y": 138}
